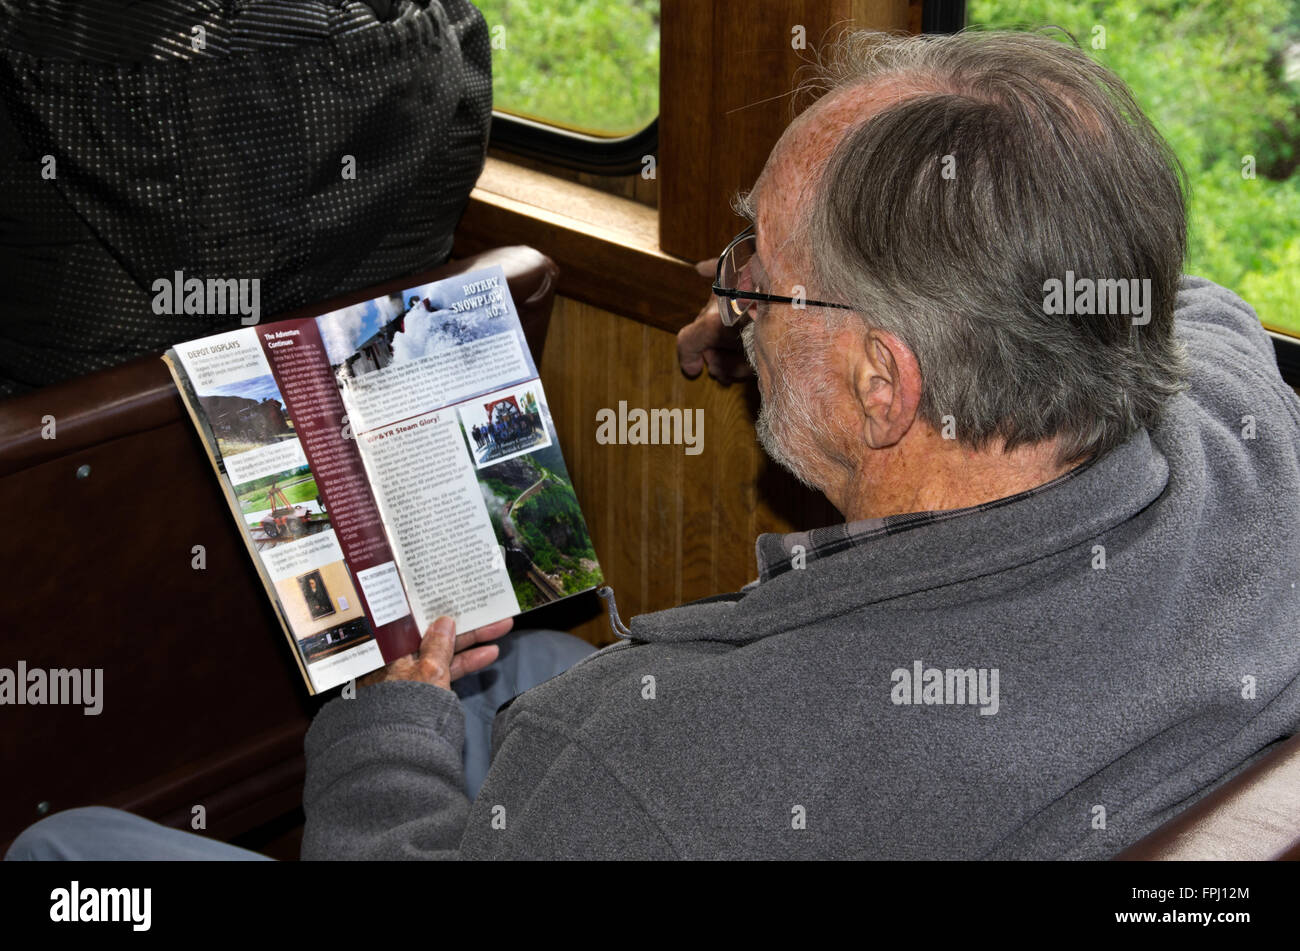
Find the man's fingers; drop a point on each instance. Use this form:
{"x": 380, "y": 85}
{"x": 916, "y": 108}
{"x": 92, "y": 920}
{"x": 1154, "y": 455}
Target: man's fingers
{"x": 695, "y": 336}
{"x": 727, "y": 366}
{"x": 437, "y": 648}
{"x": 441, "y": 632}
{"x": 481, "y": 635}
{"x": 702, "y": 333}
{"x": 473, "y": 660}
{"x": 719, "y": 365}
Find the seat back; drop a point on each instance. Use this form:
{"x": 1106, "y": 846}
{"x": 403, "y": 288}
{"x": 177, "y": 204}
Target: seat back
{"x": 202, "y": 703}
{"x": 1255, "y": 815}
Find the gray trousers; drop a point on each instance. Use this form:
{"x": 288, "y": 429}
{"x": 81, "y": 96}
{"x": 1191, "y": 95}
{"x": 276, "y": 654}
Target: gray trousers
{"x": 92, "y": 833}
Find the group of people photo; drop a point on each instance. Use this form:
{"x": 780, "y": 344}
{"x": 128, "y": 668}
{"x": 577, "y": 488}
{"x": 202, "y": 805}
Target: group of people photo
{"x": 508, "y": 429}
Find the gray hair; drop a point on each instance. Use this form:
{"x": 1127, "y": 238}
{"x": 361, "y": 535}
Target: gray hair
{"x": 1057, "y": 170}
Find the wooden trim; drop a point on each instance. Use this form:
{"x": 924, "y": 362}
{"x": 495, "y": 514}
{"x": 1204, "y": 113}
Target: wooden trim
{"x": 240, "y": 788}
{"x": 645, "y": 191}
{"x": 687, "y": 123}
{"x": 607, "y": 246}
{"x": 727, "y": 72}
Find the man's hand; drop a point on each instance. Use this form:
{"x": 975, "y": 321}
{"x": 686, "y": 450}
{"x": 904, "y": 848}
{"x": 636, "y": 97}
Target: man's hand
{"x": 444, "y": 657}
{"x": 706, "y": 341}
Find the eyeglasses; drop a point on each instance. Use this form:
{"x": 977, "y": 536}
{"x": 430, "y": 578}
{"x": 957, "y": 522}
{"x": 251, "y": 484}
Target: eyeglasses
{"x": 733, "y": 284}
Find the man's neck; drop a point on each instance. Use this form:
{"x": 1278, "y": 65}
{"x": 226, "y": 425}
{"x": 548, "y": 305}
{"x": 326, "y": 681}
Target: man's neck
{"x": 932, "y": 474}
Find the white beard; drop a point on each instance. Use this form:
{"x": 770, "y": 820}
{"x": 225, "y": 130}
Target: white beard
{"x": 785, "y": 422}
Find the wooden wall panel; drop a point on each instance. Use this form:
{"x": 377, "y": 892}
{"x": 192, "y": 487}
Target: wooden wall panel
{"x": 667, "y": 527}
{"x": 642, "y": 190}
{"x": 729, "y": 67}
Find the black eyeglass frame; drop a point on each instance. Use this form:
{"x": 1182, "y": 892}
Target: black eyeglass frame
{"x": 731, "y": 293}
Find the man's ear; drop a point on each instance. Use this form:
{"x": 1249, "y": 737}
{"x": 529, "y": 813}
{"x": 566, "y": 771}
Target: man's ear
{"x": 887, "y": 386}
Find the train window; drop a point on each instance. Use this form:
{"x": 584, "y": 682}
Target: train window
{"x": 1221, "y": 82}
{"x": 585, "y": 66}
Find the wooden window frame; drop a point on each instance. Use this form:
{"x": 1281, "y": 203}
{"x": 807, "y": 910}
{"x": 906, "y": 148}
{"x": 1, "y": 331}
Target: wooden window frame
{"x": 637, "y": 261}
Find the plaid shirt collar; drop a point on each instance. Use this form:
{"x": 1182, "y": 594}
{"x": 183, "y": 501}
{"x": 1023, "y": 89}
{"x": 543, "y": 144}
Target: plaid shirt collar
{"x": 778, "y": 554}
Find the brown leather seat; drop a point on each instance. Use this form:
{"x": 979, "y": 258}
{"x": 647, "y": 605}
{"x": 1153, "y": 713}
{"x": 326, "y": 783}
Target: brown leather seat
{"x": 202, "y": 702}
{"x": 1254, "y": 815}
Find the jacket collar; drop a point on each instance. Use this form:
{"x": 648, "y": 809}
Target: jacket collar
{"x": 1114, "y": 489}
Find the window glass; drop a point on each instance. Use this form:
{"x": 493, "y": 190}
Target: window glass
{"x": 586, "y": 65}
{"x": 1221, "y": 81}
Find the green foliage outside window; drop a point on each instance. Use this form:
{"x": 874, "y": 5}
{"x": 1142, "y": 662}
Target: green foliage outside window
{"x": 1220, "y": 79}
{"x": 590, "y": 65}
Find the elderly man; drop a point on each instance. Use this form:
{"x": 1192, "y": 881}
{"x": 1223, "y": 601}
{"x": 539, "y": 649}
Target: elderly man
{"x": 1063, "y": 605}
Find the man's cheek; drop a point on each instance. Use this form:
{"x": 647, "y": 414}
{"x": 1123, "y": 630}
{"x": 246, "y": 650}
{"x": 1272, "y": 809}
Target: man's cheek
{"x": 775, "y": 364}
{"x": 751, "y": 352}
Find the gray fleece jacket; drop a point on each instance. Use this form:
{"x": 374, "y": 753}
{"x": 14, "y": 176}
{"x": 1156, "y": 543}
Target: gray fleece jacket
{"x": 814, "y": 715}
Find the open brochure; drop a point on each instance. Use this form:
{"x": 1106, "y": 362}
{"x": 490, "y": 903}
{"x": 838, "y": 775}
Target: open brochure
{"x": 388, "y": 463}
